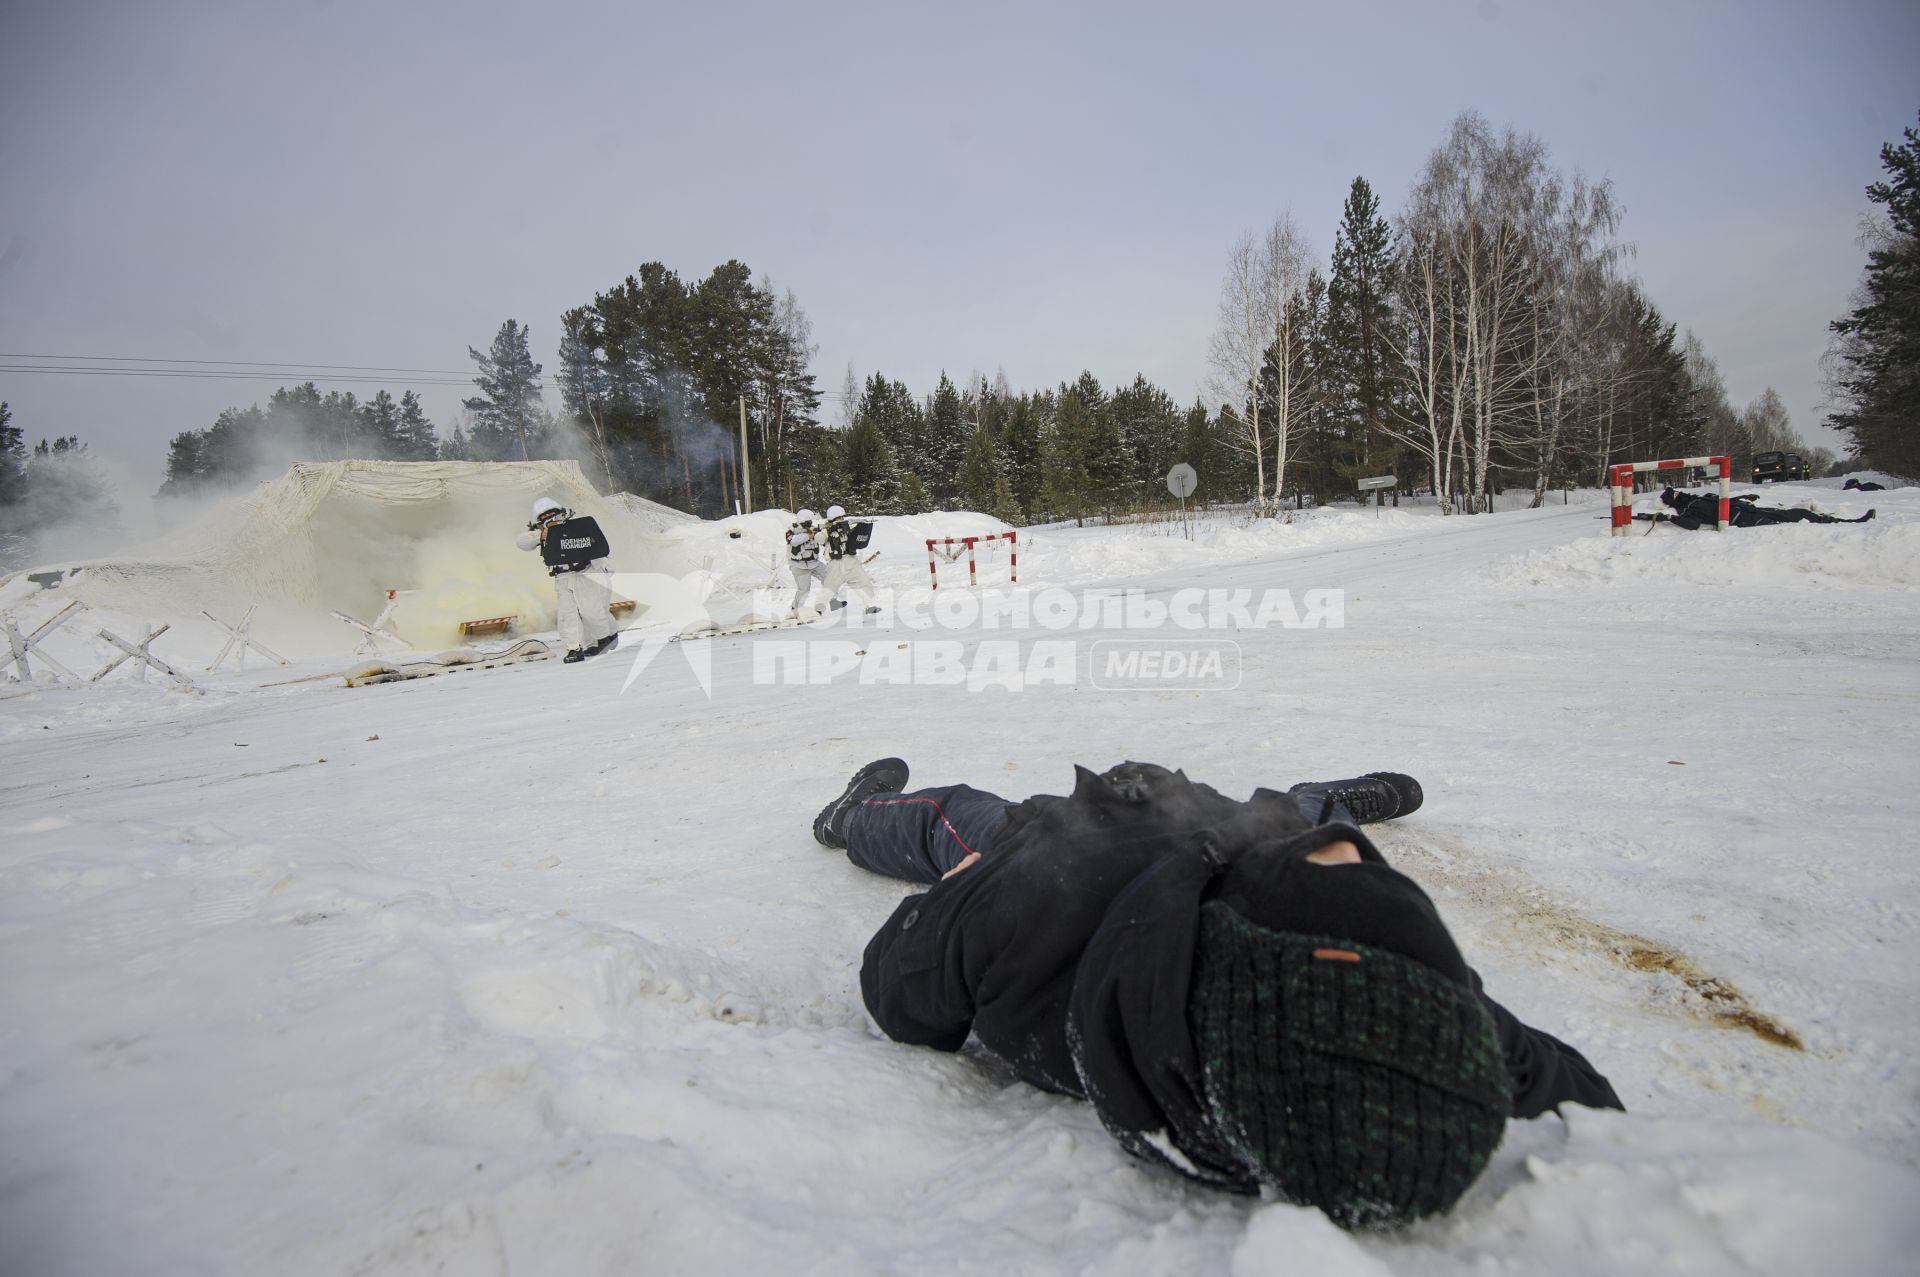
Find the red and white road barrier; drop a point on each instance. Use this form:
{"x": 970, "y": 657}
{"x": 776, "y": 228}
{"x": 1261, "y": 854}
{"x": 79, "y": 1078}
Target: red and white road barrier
{"x": 967, "y": 544}
{"x": 1620, "y": 479}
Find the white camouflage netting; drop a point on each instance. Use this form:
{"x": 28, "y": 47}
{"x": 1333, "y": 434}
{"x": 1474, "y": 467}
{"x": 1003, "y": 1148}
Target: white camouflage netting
{"x": 647, "y": 515}
{"x": 340, "y": 534}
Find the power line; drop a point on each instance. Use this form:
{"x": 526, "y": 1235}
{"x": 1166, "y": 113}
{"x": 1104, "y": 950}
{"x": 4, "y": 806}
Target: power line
{"x": 231, "y": 370}
{"x": 210, "y": 375}
{"x": 243, "y": 363}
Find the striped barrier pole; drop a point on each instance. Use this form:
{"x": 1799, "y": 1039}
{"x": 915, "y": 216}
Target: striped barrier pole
{"x": 969, "y": 544}
{"x": 1620, "y": 481}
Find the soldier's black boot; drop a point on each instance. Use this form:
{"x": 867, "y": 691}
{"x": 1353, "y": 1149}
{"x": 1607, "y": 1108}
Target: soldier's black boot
{"x": 887, "y": 776}
{"x": 1371, "y": 798}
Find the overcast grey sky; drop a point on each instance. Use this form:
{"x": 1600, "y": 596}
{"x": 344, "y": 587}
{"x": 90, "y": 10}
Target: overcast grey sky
{"x": 1039, "y": 187}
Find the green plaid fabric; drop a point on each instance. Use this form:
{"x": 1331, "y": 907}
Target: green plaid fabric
{"x": 1372, "y": 1089}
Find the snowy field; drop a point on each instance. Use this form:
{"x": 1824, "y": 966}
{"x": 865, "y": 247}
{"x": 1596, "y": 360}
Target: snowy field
{"x": 513, "y": 972}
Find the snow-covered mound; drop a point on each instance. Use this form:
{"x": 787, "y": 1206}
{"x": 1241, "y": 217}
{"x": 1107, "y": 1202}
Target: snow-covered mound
{"x": 747, "y": 553}
{"x": 1061, "y": 554}
{"x": 1880, "y": 477}
{"x": 1796, "y": 555}
{"x": 1884, "y": 552}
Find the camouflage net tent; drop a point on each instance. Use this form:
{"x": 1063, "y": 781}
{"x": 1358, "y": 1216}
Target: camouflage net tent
{"x": 340, "y": 534}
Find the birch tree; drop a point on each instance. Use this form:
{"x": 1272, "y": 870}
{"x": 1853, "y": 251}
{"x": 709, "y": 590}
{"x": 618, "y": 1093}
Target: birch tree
{"x": 1504, "y": 273}
{"x": 1428, "y": 343}
{"x": 1259, "y": 354}
{"x": 1573, "y": 260}
{"x": 1284, "y": 274}
{"x": 1239, "y": 355}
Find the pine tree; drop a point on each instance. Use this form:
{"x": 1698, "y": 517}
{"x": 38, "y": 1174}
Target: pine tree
{"x": 380, "y": 421}
{"x": 1876, "y": 353}
{"x": 727, "y": 347}
{"x": 946, "y": 438}
{"x": 912, "y": 497}
{"x": 1358, "y": 380}
{"x": 640, "y": 334}
{"x": 890, "y": 406}
{"x": 581, "y": 377}
{"x": 1005, "y": 508}
{"x": 1067, "y": 478}
{"x": 868, "y": 464}
{"x": 979, "y": 473}
{"x": 795, "y": 454}
{"x": 1027, "y": 418}
{"x": 1150, "y": 429}
{"x": 1106, "y": 456}
{"x": 414, "y": 437}
{"x": 184, "y": 464}
{"x": 235, "y": 445}
{"x": 1312, "y": 453}
{"x": 1198, "y": 449}
{"x": 64, "y": 482}
{"x": 508, "y": 415}
{"x": 13, "y": 460}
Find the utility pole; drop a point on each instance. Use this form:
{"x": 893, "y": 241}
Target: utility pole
{"x": 746, "y": 487}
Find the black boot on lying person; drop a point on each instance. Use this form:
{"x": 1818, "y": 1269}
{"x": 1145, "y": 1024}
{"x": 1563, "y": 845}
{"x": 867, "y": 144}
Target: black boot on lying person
{"x": 887, "y": 776}
{"x": 1369, "y": 799}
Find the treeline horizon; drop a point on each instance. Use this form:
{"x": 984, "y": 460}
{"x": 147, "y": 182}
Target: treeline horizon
{"x": 1486, "y": 336}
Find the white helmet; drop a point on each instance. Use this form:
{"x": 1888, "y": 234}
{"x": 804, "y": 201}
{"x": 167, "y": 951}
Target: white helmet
{"x": 836, "y": 512}
{"x": 805, "y": 516}
{"x": 543, "y": 507}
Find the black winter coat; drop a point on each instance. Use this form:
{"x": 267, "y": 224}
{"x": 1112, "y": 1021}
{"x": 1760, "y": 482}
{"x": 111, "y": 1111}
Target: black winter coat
{"x": 1067, "y": 951}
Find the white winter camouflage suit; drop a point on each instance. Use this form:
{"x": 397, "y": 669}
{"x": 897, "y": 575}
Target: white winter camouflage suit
{"x": 844, "y": 568}
{"x": 803, "y": 559}
{"x": 581, "y": 600}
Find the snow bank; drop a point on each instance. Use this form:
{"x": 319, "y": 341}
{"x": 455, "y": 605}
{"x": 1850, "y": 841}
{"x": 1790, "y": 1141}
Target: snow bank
{"x": 1885, "y": 552}
{"x": 1794, "y": 556}
{"x": 1880, "y": 477}
{"x": 1061, "y": 554}
{"x": 748, "y": 552}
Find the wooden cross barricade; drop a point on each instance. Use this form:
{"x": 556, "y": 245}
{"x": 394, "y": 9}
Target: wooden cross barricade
{"x": 380, "y": 629}
{"x": 19, "y": 645}
{"x": 241, "y": 636}
{"x": 138, "y": 653}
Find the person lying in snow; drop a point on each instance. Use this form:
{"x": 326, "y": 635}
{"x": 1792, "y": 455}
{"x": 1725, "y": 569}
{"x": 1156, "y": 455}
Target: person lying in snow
{"x": 1693, "y": 512}
{"x": 1245, "y": 991}
{"x": 579, "y": 577}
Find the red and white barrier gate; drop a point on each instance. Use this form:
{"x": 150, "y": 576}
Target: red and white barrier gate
{"x": 948, "y": 551}
{"x": 1620, "y": 477}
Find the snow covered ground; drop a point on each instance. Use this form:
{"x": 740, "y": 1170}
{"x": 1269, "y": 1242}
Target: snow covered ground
{"x": 513, "y": 972}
